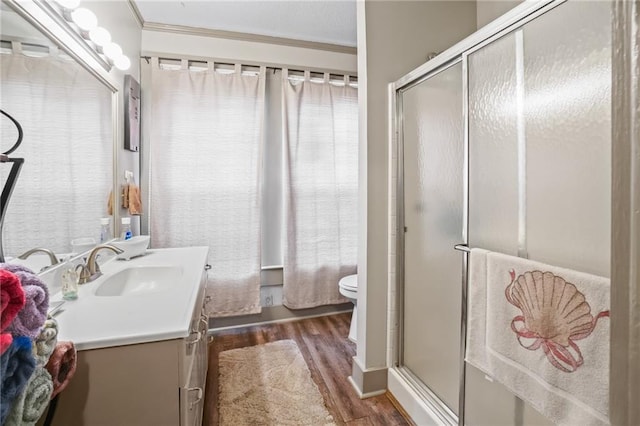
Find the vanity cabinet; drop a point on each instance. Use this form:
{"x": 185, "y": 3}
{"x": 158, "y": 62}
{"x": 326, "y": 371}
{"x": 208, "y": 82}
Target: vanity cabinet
{"x": 155, "y": 383}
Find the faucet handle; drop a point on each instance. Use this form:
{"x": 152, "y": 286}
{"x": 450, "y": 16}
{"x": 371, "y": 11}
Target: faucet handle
{"x": 84, "y": 276}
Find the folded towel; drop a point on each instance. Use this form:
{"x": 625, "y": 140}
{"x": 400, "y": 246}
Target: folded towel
{"x": 34, "y": 313}
{"x": 134, "y": 200}
{"x": 11, "y": 297}
{"x": 46, "y": 341}
{"x": 31, "y": 403}
{"x": 538, "y": 330}
{"x": 5, "y": 342}
{"x": 62, "y": 366}
{"x": 16, "y": 367}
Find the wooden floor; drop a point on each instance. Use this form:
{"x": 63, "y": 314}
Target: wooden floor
{"x": 324, "y": 345}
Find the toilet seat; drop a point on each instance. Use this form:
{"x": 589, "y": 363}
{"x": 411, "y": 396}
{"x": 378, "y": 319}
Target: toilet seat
{"x": 349, "y": 283}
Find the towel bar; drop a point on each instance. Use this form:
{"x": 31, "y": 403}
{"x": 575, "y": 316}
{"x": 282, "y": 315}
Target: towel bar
{"x": 462, "y": 247}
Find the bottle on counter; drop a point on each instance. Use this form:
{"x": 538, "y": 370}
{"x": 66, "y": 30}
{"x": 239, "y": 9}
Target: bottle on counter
{"x": 70, "y": 284}
{"x": 126, "y": 228}
{"x": 105, "y": 230}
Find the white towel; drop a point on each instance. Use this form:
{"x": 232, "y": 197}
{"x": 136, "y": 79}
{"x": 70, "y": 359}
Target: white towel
{"x": 543, "y": 332}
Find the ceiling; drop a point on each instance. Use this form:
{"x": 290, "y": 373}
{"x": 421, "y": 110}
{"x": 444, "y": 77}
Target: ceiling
{"x": 323, "y": 21}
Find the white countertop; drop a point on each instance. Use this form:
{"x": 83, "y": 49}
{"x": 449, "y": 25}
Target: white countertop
{"x": 92, "y": 322}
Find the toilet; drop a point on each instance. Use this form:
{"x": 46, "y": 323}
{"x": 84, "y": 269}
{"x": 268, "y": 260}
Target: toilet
{"x": 348, "y": 287}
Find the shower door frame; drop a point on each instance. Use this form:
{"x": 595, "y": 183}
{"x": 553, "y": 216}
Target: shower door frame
{"x": 508, "y": 23}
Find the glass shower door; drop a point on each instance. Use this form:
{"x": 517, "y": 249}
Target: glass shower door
{"x": 432, "y": 146}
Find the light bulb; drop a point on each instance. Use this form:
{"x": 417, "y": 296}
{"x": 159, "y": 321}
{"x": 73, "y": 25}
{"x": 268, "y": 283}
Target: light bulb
{"x": 69, "y": 4}
{"x": 112, "y": 50}
{"x": 122, "y": 63}
{"x": 84, "y": 18}
{"x": 100, "y": 36}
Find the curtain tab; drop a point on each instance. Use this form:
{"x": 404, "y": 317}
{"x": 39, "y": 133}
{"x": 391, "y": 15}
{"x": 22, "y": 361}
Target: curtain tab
{"x": 54, "y": 51}
{"x": 184, "y": 64}
{"x": 285, "y": 74}
{"x": 211, "y": 66}
{"x": 346, "y": 80}
{"x": 155, "y": 62}
{"x": 327, "y": 77}
{"x": 16, "y": 47}
{"x": 307, "y": 75}
{"x": 238, "y": 69}
{"x": 263, "y": 71}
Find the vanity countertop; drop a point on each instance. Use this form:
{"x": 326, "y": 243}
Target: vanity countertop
{"x": 93, "y": 321}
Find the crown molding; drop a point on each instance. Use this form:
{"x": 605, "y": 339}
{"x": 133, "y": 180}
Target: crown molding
{"x": 136, "y": 13}
{"x": 232, "y": 35}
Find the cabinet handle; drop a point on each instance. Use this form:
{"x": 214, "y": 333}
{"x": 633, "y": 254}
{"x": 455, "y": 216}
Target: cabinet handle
{"x": 204, "y": 321}
{"x": 207, "y": 267}
{"x": 199, "y": 390}
{"x": 197, "y": 339}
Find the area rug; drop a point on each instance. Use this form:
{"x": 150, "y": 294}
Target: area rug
{"x": 269, "y": 384}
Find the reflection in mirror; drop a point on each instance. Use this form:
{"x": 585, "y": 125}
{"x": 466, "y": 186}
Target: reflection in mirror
{"x": 66, "y": 116}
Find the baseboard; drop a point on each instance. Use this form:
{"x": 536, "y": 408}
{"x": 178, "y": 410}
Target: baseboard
{"x": 368, "y": 382}
{"x": 276, "y": 314}
{"x": 364, "y": 395}
{"x": 400, "y": 409}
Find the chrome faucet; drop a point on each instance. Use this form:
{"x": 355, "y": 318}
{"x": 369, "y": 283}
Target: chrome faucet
{"x": 91, "y": 270}
{"x": 52, "y": 256}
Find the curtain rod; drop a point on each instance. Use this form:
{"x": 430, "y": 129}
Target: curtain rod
{"x": 270, "y": 66}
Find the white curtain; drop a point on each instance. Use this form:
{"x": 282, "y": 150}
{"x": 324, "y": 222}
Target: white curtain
{"x": 320, "y": 189}
{"x": 65, "y": 181}
{"x": 206, "y": 135}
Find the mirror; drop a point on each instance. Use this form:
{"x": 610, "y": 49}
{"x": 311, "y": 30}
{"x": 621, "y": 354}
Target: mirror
{"x": 67, "y": 116}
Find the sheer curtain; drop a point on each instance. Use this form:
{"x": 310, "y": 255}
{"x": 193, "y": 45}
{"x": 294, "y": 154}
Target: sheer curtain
{"x": 64, "y": 184}
{"x": 205, "y": 139}
{"x": 320, "y": 189}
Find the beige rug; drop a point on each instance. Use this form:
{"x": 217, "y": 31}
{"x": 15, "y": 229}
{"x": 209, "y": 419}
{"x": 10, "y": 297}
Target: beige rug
{"x": 269, "y": 384}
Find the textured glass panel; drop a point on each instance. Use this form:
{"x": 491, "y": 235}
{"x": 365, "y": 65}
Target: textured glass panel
{"x": 493, "y": 148}
{"x": 433, "y": 164}
{"x": 567, "y": 64}
{"x": 493, "y": 203}
{"x": 565, "y": 144}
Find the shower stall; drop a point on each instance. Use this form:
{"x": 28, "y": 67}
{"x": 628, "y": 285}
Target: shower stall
{"x": 502, "y": 142}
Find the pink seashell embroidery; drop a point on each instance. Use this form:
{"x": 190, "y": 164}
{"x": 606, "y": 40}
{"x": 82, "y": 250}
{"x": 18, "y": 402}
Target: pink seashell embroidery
{"x": 554, "y": 315}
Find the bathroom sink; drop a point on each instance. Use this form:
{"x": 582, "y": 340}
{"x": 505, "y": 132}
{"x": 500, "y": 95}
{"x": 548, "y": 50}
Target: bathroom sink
{"x": 140, "y": 280}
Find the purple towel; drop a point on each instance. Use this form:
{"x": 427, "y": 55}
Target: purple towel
{"x": 30, "y": 319}
{"x": 16, "y": 367}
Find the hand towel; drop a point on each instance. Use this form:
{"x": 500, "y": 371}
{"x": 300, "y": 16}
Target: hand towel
{"x": 545, "y": 336}
{"x": 31, "y": 403}
{"x": 11, "y": 297}
{"x": 5, "y": 342}
{"x": 46, "y": 341}
{"x": 125, "y": 196}
{"x": 34, "y": 313}
{"x": 110, "y": 204}
{"x": 16, "y": 367}
{"x": 135, "y": 202}
{"x": 62, "y": 366}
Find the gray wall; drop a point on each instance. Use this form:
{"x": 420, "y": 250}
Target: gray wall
{"x": 394, "y": 37}
{"x": 488, "y": 11}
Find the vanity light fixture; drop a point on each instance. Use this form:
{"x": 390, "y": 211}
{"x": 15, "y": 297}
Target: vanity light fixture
{"x": 69, "y": 4}
{"x": 97, "y": 38}
{"x": 84, "y": 18}
{"x": 100, "y": 36}
{"x": 112, "y": 51}
{"x": 122, "y": 63}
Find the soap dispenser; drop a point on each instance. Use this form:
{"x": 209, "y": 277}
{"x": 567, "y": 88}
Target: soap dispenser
{"x": 126, "y": 228}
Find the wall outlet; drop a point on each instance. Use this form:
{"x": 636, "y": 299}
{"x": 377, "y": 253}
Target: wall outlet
{"x": 270, "y": 296}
